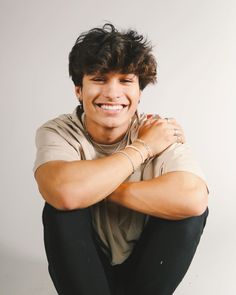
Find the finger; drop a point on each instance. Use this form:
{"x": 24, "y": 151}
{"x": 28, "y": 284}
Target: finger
{"x": 156, "y": 117}
{"x": 175, "y": 126}
{"x": 173, "y": 122}
{"x": 159, "y": 120}
{"x": 178, "y": 135}
{"x": 180, "y": 139}
{"x": 146, "y": 122}
{"x": 180, "y": 130}
{"x": 152, "y": 120}
{"x": 177, "y": 132}
{"x": 153, "y": 117}
{"x": 170, "y": 120}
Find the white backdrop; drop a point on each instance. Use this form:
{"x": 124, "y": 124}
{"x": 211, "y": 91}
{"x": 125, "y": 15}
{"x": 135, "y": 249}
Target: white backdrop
{"x": 195, "y": 45}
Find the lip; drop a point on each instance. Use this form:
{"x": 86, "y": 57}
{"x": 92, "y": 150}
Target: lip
{"x": 111, "y": 111}
{"x": 111, "y": 104}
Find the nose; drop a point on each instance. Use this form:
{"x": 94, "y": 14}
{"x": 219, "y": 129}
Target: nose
{"x": 112, "y": 90}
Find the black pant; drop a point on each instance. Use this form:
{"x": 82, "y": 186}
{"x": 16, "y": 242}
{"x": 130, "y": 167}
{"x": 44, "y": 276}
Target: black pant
{"x": 156, "y": 266}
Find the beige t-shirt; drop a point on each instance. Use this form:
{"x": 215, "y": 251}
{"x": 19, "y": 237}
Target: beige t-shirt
{"x": 64, "y": 138}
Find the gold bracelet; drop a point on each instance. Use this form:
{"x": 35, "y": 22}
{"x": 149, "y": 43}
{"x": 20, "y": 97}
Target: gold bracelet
{"x": 137, "y": 150}
{"x": 128, "y": 157}
{"x": 150, "y": 154}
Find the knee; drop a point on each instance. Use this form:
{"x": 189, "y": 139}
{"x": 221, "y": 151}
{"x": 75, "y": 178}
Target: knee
{"x": 55, "y": 217}
{"x": 192, "y": 227}
{"x": 185, "y": 230}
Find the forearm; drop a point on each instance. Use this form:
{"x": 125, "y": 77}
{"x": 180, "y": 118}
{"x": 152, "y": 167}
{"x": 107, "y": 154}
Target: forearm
{"x": 79, "y": 184}
{"x": 174, "y": 195}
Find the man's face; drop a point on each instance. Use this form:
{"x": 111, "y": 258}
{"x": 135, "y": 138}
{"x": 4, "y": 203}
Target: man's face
{"x": 109, "y": 100}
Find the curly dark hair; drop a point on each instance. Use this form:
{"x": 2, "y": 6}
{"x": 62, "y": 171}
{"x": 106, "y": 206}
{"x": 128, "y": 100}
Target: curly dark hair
{"x": 102, "y": 50}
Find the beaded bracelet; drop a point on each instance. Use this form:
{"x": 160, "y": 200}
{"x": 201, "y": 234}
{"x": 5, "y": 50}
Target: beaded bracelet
{"x": 128, "y": 157}
{"x": 150, "y": 154}
{"x": 137, "y": 150}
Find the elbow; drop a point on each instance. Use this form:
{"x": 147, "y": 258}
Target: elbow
{"x": 198, "y": 209}
{"x": 57, "y": 189}
{"x": 67, "y": 198}
{"x": 62, "y": 198}
{"x": 199, "y": 202}
{"x": 72, "y": 198}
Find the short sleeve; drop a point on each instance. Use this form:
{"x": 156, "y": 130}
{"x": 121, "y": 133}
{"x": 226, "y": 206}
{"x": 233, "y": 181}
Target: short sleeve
{"x": 178, "y": 157}
{"x": 51, "y": 146}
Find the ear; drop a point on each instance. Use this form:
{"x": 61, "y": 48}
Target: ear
{"x": 140, "y": 92}
{"x": 78, "y": 92}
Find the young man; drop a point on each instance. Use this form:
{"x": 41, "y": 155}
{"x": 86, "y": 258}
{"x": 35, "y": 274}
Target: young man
{"x": 126, "y": 203}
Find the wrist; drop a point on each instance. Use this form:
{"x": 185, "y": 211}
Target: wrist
{"x": 132, "y": 155}
{"x": 145, "y": 147}
{"x": 138, "y": 149}
{"x": 135, "y": 155}
{"x": 142, "y": 149}
{"x": 118, "y": 193}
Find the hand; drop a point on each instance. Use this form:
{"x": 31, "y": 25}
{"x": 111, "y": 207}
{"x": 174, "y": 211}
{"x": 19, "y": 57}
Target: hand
{"x": 160, "y": 133}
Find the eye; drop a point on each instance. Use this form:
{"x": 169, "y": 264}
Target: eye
{"x": 126, "y": 80}
{"x": 98, "y": 79}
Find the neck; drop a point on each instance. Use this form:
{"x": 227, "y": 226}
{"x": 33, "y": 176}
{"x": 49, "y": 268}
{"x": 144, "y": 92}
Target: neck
{"x": 104, "y": 135}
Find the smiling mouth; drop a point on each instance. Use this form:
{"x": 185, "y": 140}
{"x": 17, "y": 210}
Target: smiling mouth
{"x": 115, "y": 107}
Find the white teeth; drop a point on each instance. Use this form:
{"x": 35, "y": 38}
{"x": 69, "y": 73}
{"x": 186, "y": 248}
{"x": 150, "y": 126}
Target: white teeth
{"x": 111, "y": 107}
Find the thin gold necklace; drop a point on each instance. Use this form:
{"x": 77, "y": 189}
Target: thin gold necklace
{"x": 99, "y": 146}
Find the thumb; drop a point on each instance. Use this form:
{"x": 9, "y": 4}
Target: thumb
{"x": 153, "y": 116}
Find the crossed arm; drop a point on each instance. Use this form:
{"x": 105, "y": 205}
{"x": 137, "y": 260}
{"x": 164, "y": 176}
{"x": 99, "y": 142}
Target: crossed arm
{"x": 174, "y": 195}
{"x": 79, "y": 184}
{"x": 69, "y": 185}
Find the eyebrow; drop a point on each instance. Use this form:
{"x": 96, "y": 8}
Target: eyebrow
{"x": 122, "y": 75}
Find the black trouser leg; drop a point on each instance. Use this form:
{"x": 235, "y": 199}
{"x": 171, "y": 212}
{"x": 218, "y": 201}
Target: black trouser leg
{"x": 74, "y": 264}
{"x": 156, "y": 266}
{"x": 162, "y": 255}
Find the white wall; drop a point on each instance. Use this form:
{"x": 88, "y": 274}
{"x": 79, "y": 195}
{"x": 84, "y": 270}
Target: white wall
{"x": 195, "y": 45}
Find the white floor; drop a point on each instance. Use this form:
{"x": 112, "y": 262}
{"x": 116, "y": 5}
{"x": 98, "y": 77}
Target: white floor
{"x": 24, "y": 276}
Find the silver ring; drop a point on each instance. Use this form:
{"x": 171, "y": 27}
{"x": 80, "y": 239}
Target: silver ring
{"x": 156, "y": 117}
{"x": 178, "y": 139}
{"x": 176, "y": 132}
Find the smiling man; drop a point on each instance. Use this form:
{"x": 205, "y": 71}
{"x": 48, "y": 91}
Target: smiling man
{"x": 125, "y": 200}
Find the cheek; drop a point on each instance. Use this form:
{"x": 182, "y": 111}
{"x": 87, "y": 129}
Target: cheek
{"x": 89, "y": 96}
{"x": 134, "y": 106}
{"x": 135, "y": 94}
{"x": 135, "y": 103}
{"x": 135, "y": 98}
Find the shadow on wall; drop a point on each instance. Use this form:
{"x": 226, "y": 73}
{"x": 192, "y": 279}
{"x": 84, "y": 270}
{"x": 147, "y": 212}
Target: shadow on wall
{"x": 23, "y": 275}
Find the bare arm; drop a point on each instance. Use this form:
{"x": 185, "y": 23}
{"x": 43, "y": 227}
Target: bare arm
{"x": 79, "y": 184}
{"x": 174, "y": 195}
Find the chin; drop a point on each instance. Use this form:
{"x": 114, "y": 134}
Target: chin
{"x": 115, "y": 123}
